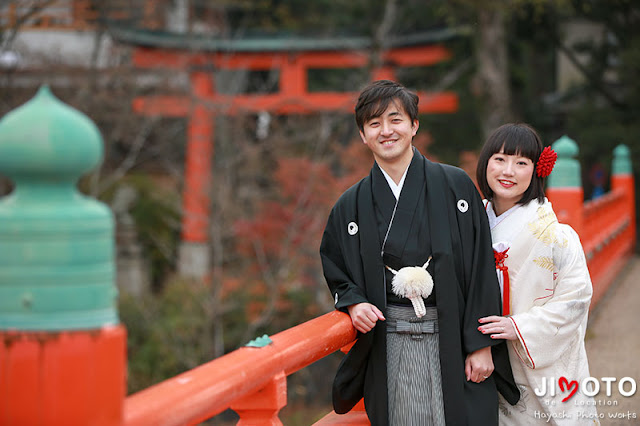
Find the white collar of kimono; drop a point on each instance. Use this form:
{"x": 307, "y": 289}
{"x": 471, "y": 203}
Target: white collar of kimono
{"x": 397, "y": 189}
{"x": 495, "y": 220}
{"x": 500, "y": 246}
{"x": 504, "y": 236}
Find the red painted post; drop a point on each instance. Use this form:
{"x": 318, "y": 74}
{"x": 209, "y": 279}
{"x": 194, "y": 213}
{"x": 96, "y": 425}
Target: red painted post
{"x": 196, "y": 200}
{"x": 262, "y": 407}
{"x": 292, "y": 98}
{"x": 62, "y": 350}
{"x": 293, "y": 79}
{"x": 565, "y": 187}
{"x": 622, "y": 180}
{"x": 70, "y": 377}
{"x": 384, "y": 72}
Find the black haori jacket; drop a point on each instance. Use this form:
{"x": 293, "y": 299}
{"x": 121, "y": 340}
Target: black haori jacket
{"x": 442, "y": 202}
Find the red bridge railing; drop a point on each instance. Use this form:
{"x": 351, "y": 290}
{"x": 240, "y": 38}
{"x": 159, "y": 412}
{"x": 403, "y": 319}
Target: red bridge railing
{"x": 54, "y": 373}
{"x": 252, "y": 381}
{"x": 606, "y": 225}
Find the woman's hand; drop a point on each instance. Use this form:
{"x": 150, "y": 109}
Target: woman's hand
{"x": 497, "y": 327}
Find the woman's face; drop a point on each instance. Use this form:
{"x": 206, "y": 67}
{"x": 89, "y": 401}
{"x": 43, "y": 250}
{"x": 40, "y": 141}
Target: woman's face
{"x": 508, "y": 176}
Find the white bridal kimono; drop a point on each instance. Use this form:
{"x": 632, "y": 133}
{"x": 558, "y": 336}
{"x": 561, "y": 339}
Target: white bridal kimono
{"x": 547, "y": 295}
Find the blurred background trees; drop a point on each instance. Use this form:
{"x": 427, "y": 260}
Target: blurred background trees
{"x": 567, "y": 67}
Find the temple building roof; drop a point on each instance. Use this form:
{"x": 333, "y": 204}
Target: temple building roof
{"x": 272, "y": 42}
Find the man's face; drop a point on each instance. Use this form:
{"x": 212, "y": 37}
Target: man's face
{"x": 389, "y": 136}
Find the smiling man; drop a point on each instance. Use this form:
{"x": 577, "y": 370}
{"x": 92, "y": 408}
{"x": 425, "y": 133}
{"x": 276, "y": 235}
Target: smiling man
{"x": 407, "y": 253}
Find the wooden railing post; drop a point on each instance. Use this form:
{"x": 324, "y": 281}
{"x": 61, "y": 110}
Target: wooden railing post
{"x": 262, "y": 407}
{"x": 565, "y": 188}
{"x": 62, "y": 349}
{"x": 622, "y": 179}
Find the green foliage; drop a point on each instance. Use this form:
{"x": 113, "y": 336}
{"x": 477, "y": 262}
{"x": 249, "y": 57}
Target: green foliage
{"x": 156, "y": 218}
{"x": 167, "y": 333}
{"x": 459, "y": 131}
{"x": 608, "y": 103}
{"x": 270, "y": 265}
{"x": 334, "y": 17}
{"x": 157, "y": 222}
{"x": 322, "y": 17}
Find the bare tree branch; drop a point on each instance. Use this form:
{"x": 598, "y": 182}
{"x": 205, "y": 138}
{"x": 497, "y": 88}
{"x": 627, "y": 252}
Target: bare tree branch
{"x": 32, "y": 8}
{"x": 454, "y": 75}
{"x": 381, "y": 35}
{"x": 492, "y": 78}
{"x": 593, "y": 79}
{"x": 272, "y": 289}
{"x": 130, "y": 160}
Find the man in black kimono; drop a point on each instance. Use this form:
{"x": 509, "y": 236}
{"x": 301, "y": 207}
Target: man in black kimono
{"x": 406, "y": 211}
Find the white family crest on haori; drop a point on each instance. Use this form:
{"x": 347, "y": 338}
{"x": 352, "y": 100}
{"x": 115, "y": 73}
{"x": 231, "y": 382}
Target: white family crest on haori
{"x": 352, "y": 228}
{"x": 414, "y": 283}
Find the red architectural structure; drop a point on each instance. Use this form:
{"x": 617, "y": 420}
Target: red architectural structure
{"x": 250, "y": 380}
{"x": 293, "y": 58}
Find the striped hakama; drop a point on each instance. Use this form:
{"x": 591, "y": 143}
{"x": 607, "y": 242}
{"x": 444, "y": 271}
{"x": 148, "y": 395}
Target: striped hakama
{"x": 414, "y": 382}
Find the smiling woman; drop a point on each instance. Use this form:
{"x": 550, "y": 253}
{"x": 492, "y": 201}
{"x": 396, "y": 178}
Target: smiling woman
{"x": 544, "y": 281}
{"x": 508, "y": 176}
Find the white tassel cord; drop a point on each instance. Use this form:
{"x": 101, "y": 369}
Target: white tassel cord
{"x": 414, "y": 283}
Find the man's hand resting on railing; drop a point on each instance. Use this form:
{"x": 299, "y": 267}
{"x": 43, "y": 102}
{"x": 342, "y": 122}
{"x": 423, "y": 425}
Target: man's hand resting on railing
{"x": 364, "y": 316}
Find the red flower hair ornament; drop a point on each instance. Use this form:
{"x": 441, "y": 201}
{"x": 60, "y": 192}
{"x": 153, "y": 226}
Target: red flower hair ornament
{"x": 546, "y": 162}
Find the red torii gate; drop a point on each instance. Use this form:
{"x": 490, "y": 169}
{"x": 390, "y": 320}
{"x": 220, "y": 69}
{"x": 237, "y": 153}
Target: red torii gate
{"x": 293, "y": 97}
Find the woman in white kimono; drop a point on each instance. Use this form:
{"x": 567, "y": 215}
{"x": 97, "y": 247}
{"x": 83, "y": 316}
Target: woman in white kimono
{"x": 544, "y": 280}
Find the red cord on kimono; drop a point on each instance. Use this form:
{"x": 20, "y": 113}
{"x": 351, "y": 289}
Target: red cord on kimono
{"x": 500, "y": 257}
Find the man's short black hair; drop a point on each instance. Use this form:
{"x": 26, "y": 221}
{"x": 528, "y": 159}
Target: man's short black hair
{"x": 376, "y": 97}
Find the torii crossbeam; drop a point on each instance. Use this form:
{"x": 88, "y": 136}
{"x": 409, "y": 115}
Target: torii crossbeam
{"x": 293, "y": 59}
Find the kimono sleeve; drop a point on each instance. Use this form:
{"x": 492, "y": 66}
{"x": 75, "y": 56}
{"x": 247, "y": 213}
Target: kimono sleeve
{"x": 546, "y": 332}
{"x": 482, "y": 290}
{"x": 337, "y": 262}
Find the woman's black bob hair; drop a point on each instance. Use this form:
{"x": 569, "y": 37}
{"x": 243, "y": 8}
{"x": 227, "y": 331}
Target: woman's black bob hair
{"x": 512, "y": 139}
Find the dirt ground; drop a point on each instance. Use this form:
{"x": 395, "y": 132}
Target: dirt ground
{"x": 613, "y": 348}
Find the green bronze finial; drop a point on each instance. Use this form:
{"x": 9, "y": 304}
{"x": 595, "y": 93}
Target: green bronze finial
{"x": 566, "y": 173}
{"x": 56, "y": 245}
{"x": 621, "y": 160}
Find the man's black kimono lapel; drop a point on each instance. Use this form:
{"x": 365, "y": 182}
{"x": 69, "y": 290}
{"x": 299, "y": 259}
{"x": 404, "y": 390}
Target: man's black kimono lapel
{"x": 370, "y": 244}
{"x": 383, "y": 198}
{"x": 439, "y": 226}
{"x": 446, "y": 284}
{"x": 405, "y": 212}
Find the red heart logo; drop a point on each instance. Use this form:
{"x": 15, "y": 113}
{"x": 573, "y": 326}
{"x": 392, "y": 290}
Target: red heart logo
{"x": 562, "y": 382}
